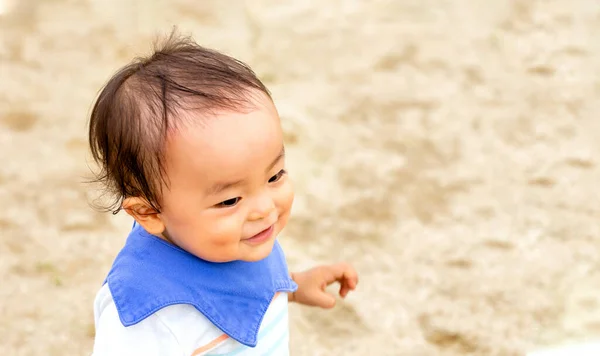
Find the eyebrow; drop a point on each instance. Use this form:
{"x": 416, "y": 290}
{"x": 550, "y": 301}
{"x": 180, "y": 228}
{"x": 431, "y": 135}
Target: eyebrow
{"x": 221, "y": 186}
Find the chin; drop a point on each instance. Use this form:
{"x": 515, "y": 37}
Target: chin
{"x": 259, "y": 252}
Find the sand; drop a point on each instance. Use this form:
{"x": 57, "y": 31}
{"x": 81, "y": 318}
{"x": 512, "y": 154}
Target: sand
{"x": 448, "y": 149}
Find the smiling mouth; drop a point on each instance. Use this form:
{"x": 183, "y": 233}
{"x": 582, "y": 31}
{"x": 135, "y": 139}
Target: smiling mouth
{"x": 261, "y": 236}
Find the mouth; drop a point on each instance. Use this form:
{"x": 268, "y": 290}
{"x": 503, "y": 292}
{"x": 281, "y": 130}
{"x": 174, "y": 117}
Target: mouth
{"x": 261, "y": 236}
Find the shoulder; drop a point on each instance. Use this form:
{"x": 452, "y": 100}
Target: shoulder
{"x": 150, "y": 337}
{"x": 178, "y": 329}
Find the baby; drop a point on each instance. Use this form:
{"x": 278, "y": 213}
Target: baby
{"x": 190, "y": 144}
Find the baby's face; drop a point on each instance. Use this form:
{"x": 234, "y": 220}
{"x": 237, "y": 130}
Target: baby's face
{"x": 229, "y": 195}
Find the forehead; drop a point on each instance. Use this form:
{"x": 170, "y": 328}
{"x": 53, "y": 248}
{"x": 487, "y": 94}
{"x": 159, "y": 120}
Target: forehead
{"x": 224, "y": 146}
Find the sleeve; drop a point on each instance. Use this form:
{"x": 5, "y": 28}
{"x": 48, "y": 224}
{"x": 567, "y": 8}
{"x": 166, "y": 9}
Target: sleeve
{"x": 151, "y": 337}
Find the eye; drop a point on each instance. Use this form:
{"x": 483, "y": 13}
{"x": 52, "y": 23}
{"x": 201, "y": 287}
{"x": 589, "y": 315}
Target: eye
{"x": 277, "y": 177}
{"x": 229, "y": 203}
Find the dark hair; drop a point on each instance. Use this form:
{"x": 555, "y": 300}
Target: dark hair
{"x": 144, "y": 101}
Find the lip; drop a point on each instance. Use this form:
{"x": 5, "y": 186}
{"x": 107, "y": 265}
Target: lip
{"x": 261, "y": 236}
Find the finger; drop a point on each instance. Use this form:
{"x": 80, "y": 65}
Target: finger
{"x": 349, "y": 280}
{"x": 344, "y": 289}
{"x": 339, "y": 272}
{"x": 352, "y": 279}
{"x": 323, "y": 300}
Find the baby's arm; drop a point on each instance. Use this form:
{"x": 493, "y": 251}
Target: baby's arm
{"x": 312, "y": 284}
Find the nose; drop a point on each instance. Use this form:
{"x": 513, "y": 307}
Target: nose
{"x": 263, "y": 207}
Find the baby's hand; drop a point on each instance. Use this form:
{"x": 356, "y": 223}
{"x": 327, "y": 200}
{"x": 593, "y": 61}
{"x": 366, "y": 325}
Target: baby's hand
{"x": 312, "y": 284}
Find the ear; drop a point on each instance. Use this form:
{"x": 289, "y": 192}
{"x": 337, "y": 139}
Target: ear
{"x": 144, "y": 215}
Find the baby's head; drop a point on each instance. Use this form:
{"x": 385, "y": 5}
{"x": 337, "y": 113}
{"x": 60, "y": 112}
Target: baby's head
{"x": 190, "y": 144}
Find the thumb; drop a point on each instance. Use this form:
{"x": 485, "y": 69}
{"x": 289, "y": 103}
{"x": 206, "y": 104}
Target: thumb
{"x": 323, "y": 299}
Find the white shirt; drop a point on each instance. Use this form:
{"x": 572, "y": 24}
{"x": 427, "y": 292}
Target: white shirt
{"x": 182, "y": 330}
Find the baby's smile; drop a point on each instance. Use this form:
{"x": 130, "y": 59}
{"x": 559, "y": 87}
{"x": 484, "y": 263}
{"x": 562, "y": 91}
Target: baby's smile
{"x": 261, "y": 237}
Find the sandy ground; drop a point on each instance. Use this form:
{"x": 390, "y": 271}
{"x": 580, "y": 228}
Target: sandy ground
{"x": 449, "y": 149}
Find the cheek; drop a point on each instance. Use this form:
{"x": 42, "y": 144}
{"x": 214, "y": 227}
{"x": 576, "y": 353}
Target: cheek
{"x": 210, "y": 237}
{"x": 285, "y": 198}
{"x": 181, "y": 208}
{"x": 191, "y": 225}
{"x": 222, "y": 230}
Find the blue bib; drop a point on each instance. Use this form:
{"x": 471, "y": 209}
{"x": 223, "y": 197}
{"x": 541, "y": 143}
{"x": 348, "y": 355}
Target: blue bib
{"x": 149, "y": 274}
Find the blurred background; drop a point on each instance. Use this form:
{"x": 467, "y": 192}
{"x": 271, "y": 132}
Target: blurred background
{"x": 449, "y": 149}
